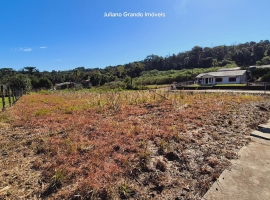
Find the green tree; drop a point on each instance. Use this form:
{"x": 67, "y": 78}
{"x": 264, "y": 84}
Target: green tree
{"x": 266, "y": 60}
{"x": 5, "y": 74}
{"x": 242, "y": 57}
{"x": 34, "y": 81}
{"x": 44, "y": 82}
{"x": 21, "y": 81}
{"x": 96, "y": 78}
{"x": 258, "y": 63}
{"x": 257, "y": 51}
{"x": 214, "y": 62}
{"x": 30, "y": 70}
{"x": 135, "y": 70}
{"x": 76, "y": 73}
{"x": 266, "y": 77}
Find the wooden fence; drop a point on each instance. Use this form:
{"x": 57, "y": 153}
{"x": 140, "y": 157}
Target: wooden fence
{"x": 9, "y": 96}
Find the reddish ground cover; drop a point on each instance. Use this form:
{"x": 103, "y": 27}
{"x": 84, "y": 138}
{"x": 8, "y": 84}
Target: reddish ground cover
{"x": 127, "y": 145}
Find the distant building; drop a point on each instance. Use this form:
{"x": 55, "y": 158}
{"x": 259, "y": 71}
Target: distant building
{"x": 64, "y": 85}
{"x": 229, "y": 69}
{"x": 259, "y": 67}
{"x": 86, "y": 83}
{"x": 222, "y": 77}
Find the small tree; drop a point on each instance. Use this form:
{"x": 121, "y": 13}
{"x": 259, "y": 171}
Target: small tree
{"x": 44, "y": 82}
{"x": 258, "y": 63}
{"x": 266, "y": 60}
{"x": 21, "y": 81}
{"x": 266, "y": 77}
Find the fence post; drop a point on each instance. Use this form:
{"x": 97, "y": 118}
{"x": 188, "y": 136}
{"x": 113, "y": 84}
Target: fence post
{"x": 13, "y": 97}
{"x": 3, "y": 97}
{"x": 15, "y": 94}
{"x": 8, "y": 92}
{"x": 19, "y": 93}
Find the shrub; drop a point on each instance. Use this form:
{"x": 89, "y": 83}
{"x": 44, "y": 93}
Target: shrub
{"x": 21, "y": 81}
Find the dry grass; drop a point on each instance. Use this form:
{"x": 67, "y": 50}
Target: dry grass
{"x": 99, "y": 145}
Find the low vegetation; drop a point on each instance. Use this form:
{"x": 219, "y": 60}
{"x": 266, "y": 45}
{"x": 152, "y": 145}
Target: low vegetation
{"x": 122, "y": 145}
{"x": 165, "y": 77}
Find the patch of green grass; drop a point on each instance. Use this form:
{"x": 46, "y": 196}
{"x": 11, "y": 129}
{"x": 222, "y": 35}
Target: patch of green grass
{"x": 243, "y": 84}
{"x": 220, "y": 85}
{"x": 41, "y": 112}
{"x": 6, "y": 101}
{"x": 195, "y": 85}
{"x": 156, "y": 86}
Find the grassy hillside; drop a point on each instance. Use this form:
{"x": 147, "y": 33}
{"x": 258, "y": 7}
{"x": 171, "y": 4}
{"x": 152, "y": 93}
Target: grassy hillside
{"x": 167, "y": 77}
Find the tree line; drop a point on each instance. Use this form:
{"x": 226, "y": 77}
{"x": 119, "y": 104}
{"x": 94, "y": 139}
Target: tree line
{"x": 243, "y": 55}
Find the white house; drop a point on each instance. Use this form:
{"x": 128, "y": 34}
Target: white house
{"x": 222, "y": 77}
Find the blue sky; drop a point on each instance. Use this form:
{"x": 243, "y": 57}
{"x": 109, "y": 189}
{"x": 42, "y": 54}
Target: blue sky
{"x": 65, "y": 34}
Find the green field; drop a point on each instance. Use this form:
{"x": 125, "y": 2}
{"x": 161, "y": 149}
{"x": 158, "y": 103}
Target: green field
{"x": 242, "y": 84}
{"x": 6, "y": 101}
{"x": 196, "y": 85}
{"x": 156, "y": 86}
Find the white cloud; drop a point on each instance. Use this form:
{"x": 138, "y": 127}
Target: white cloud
{"x": 27, "y": 49}
{"x": 22, "y": 49}
{"x": 43, "y": 47}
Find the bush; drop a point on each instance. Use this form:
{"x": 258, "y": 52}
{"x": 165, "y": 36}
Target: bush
{"x": 266, "y": 60}
{"x": 266, "y": 77}
{"x": 44, "y": 82}
{"x": 257, "y": 73}
{"x": 21, "y": 81}
{"x": 114, "y": 85}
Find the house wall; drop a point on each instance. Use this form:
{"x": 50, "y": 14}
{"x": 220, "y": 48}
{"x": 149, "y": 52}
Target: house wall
{"x": 225, "y": 80}
{"x": 202, "y": 80}
{"x": 211, "y": 80}
{"x": 243, "y": 78}
{"x": 239, "y": 79}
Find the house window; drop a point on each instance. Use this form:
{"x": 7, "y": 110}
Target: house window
{"x": 232, "y": 79}
{"x": 218, "y": 79}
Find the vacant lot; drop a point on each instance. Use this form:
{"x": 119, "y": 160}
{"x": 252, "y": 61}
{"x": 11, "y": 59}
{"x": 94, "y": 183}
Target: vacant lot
{"x": 122, "y": 145}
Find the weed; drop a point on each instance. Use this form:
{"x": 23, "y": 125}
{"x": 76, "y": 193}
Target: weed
{"x": 57, "y": 177}
{"x": 172, "y": 128}
{"x": 126, "y": 191}
{"x": 41, "y": 112}
{"x": 163, "y": 146}
{"x": 144, "y": 157}
{"x": 46, "y": 92}
{"x": 4, "y": 117}
{"x": 177, "y": 137}
{"x": 69, "y": 110}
